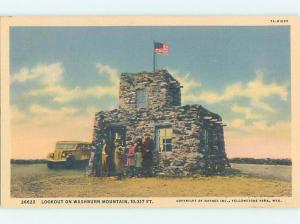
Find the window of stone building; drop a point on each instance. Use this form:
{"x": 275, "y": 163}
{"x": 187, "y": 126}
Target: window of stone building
{"x": 164, "y": 139}
{"x": 141, "y": 98}
{"x": 205, "y": 138}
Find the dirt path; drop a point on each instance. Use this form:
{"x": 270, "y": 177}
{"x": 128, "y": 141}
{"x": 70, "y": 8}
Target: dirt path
{"x": 265, "y": 171}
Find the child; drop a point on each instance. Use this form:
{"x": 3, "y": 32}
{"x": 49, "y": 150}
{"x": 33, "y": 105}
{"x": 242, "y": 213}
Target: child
{"x": 130, "y": 159}
{"x": 138, "y": 161}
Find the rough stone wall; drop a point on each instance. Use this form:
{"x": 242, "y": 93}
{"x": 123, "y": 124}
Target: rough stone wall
{"x": 189, "y": 155}
{"x": 185, "y": 123}
{"x": 162, "y": 90}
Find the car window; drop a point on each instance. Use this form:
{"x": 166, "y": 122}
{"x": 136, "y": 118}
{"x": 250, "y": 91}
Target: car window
{"x": 65, "y": 146}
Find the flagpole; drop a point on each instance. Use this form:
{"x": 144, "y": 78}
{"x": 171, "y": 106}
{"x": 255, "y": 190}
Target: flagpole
{"x": 154, "y": 57}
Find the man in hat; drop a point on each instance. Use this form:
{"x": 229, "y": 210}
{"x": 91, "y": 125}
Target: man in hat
{"x": 148, "y": 147}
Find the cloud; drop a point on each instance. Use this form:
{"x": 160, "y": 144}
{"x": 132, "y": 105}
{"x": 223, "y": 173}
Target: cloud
{"x": 17, "y": 114}
{"x": 111, "y": 72}
{"x": 259, "y": 126}
{"x": 255, "y": 90}
{"x": 35, "y": 131}
{"x": 36, "y": 128}
{"x": 248, "y": 112}
{"x": 39, "y": 110}
{"x": 189, "y": 84}
{"x": 258, "y": 139}
{"x": 62, "y": 94}
{"x": 38, "y": 115}
{"x": 45, "y": 74}
{"x": 91, "y": 110}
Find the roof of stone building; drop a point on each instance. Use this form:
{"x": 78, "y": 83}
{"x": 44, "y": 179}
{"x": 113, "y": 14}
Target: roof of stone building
{"x": 197, "y": 108}
{"x": 162, "y": 73}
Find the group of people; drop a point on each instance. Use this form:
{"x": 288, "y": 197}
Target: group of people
{"x": 134, "y": 161}
{"x": 140, "y": 157}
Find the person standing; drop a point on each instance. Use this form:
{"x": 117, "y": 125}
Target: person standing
{"x": 98, "y": 159}
{"x": 148, "y": 147}
{"x": 118, "y": 161}
{"x": 138, "y": 161}
{"x": 95, "y": 160}
{"x": 90, "y": 167}
{"x": 130, "y": 159}
{"x": 104, "y": 161}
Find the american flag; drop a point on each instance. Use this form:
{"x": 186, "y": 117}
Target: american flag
{"x": 161, "y": 48}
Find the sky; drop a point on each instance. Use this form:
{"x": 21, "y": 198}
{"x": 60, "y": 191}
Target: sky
{"x": 61, "y": 76}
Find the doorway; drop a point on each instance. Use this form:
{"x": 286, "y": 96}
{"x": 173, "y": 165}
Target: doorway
{"x": 115, "y": 134}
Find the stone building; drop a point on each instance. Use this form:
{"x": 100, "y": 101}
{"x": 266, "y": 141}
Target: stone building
{"x": 189, "y": 139}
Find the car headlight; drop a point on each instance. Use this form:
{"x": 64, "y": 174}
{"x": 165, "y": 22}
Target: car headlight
{"x": 51, "y": 155}
{"x": 63, "y": 154}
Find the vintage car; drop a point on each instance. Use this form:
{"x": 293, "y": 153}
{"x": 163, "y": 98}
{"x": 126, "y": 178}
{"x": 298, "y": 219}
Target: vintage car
{"x": 69, "y": 153}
